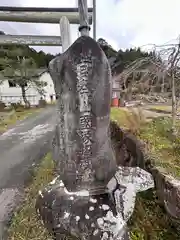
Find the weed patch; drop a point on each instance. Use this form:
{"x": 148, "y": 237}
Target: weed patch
{"x": 25, "y": 223}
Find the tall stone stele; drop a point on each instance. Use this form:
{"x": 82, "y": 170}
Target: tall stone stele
{"x": 82, "y": 150}
{"x": 82, "y": 146}
{"x": 91, "y": 198}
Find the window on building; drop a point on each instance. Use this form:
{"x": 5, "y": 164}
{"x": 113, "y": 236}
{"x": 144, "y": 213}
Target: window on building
{"x": 11, "y": 83}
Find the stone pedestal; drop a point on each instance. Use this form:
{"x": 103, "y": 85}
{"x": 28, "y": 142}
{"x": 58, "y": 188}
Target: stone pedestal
{"x": 81, "y": 214}
{"x": 92, "y": 215}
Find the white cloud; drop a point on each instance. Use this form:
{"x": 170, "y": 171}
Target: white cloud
{"x": 153, "y": 21}
{"x": 122, "y": 23}
{"x": 139, "y": 22}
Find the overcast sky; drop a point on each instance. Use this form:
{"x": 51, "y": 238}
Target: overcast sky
{"x": 123, "y": 23}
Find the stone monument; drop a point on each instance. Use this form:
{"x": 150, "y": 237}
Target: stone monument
{"x": 82, "y": 144}
{"x": 91, "y": 198}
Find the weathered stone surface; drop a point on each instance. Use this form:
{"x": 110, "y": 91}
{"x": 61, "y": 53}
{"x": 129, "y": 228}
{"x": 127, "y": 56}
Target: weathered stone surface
{"x": 130, "y": 152}
{"x": 82, "y": 146}
{"x": 91, "y": 215}
{"x": 78, "y": 214}
{"x": 168, "y": 192}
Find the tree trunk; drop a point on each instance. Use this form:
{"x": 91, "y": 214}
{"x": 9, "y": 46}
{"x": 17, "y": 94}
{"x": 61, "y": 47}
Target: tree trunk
{"x": 129, "y": 92}
{"x": 177, "y": 103}
{"x": 150, "y": 87}
{"x": 131, "y": 85}
{"x": 150, "y": 90}
{"x": 173, "y": 104}
{"x": 162, "y": 85}
{"x": 27, "y": 103}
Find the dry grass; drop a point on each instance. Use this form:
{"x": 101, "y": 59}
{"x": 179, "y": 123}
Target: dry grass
{"x": 25, "y": 224}
{"x": 18, "y": 115}
{"x": 52, "y": 103}
{"x": 157, "y": 134}
{"x": 120, "y": 116}
{"x": 163, "y": 145}
{"x": 162, "y": 108}
{"x": 132, "y": 119}
{"x": 149, "y": 220}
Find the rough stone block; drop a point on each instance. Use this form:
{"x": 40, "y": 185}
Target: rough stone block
{"x": 82, "y": 146}
{"x": 92, "y": 215}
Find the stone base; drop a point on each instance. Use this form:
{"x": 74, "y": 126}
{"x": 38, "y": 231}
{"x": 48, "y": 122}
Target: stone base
{"x": 93, "y": 215}
{"x": 80, "y": 214}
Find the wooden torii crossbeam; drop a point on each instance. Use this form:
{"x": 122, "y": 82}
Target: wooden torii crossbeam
{"x": 38, "y": 15}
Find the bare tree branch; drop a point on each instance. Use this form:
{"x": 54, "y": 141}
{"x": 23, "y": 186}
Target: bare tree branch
{"x": 162, "y": 68}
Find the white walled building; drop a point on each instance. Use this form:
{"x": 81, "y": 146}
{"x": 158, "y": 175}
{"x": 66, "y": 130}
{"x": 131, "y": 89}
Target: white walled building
{"x": 10, "y": 93}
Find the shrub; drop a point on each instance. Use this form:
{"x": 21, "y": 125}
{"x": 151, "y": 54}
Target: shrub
{"x": 135, "y": 120}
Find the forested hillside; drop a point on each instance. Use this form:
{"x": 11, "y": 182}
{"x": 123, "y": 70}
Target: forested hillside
{"x": 120, "y": 59}
{"x": 41, "y": 58}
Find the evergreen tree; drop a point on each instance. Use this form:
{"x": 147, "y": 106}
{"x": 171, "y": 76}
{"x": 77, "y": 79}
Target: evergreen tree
{"x": 20, "y": 69}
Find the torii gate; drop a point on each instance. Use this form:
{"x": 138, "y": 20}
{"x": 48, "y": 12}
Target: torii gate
{"x": 43, "y": 15}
